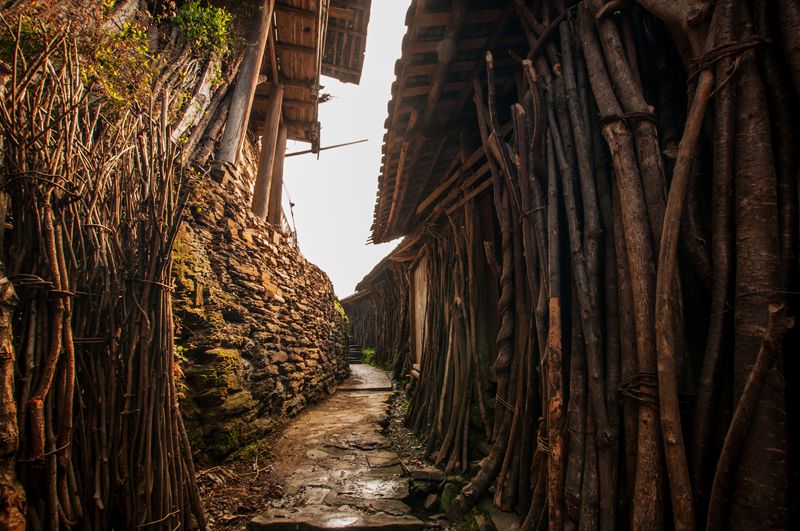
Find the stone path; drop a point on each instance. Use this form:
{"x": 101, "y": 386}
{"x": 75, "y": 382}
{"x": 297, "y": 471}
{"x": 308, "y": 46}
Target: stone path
{"x": 338, "y": 470}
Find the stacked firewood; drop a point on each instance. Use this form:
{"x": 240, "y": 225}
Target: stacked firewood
{"x": 645, "y": 251}
{"x": 94, "y": 199}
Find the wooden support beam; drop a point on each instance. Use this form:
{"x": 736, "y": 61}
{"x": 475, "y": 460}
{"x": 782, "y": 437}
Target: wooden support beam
{"x": 276, "y": 189}
{"x": 297, "y": 11}
{"x": 266, "y": 159}
{"x": 242, "y": 99}
{"x": 469, "y": 196}
{"x": 295, "y": 48}
{"x": 273, "y": 57}
{"x": 299, "y": 103}
{"x": 441, "y": 18}
{"x": 342, "y": 13}
{"x": 300, "y": 125}
{"x": 447, "y": 184}
{"x": 425, "y": 89}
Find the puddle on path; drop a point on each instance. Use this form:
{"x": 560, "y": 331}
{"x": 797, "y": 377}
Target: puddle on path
{"x": 336, "y": 466}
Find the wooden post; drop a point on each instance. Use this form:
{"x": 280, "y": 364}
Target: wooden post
{"x": 276, "y": 189}
{"x": 242, "y": 101}
{"x": 266, "y": 158}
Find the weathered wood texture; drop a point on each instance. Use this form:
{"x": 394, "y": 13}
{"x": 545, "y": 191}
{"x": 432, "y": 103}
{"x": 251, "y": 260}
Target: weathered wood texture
{"x": 276, "y": 188}
{"x": 619, "y": 353}
{"x": 242, "y": 100}
{"x": 266, "y": 159}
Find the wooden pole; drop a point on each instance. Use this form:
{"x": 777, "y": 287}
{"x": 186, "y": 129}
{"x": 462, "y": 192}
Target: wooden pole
{"x": 266, "y": 158}
{"x": 242, "y": 101}
{"x": 275, "y": 193}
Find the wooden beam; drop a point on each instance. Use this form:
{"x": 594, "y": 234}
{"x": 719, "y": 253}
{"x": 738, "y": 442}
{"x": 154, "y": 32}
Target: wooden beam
{"x": 432, "y": 46}
{"x": 276, "y": 189}
{"x": 425, "y": 89}
{"x": 266, "y": 160}
{"x": 273, "y": 57}
{"x": 342, "y": 13}
{"x": 242, "y": 99}
{"x": 299, "y": 103}
{"x": 442, "y": 18}
{"x": 477, "y": 190}
{"x": 300, "y": 125}
{"x": 295, "y": 48}
{"x": 447, "y": 52}
{"x": 427, "y": 177}
{"x": 297, "y": 11}
{"x": 499, "y": 29}
{"x": 447, "y": 184}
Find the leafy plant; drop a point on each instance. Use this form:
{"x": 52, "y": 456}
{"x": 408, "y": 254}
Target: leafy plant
{"x": 206, "y": 28}
{"x": 122, "y": 64}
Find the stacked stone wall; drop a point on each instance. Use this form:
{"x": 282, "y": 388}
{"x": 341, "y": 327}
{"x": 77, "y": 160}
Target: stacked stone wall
{"x": 258, "y": 329}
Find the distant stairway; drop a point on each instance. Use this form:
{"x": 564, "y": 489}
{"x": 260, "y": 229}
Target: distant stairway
{"x": 354, "y": 354}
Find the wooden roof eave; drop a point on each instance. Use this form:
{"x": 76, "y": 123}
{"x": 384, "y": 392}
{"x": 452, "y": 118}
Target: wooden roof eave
{"x": 388, "y": 225}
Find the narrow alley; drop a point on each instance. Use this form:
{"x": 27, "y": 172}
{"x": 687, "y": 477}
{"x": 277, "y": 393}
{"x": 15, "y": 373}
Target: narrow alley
{"x": 470, "y": 265}
{"x": 337, "y": 467}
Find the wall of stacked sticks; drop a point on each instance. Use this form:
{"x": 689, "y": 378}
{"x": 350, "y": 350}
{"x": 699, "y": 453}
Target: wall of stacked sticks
{"x": 647, "y": 274}
{"x": 380, "y": 321}
{"x": 92, "y": 199}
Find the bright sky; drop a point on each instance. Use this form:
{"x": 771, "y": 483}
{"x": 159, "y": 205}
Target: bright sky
{"x": 334, "y": 196}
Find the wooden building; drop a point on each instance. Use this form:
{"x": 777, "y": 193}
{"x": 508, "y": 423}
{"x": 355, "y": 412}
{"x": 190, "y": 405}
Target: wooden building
{"x": 277, "y": 91}
{"x": 346, "y": 40}
{"x": 577, "y": 298}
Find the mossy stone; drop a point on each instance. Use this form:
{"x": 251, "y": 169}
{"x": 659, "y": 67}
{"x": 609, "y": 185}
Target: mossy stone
{"x": 449, "y": 493}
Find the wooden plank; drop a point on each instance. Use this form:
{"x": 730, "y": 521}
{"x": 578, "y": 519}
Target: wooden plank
{"x": 473, "y": 158}
{"x": 299, "y": 103}
{"x": 442, "y": 18}
{"x": 342, "y": 13}
{"x": 242, "y": 100}
{"x": 430, "y": 46}
{"x": 424, "y": 89}
{"x": 430, "y": 68}
{"x": 295, "y": 48}
{"x": 480, "y": 188}
{"x": 297, "y": 11}
{"x": 428, "y": 174}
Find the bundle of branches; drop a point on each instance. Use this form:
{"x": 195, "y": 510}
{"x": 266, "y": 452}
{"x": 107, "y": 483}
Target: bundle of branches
{"x": 384, "y": 324}
{"x": 94, "y": 207}
{"x": 453, "y": 376}
{"x": 655, "y": 238}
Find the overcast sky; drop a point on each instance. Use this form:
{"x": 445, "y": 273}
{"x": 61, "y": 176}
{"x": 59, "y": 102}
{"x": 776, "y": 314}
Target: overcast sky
{"x": 334, "y": 196}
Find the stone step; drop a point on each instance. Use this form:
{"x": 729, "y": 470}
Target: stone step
{"x": 322, "y": 517}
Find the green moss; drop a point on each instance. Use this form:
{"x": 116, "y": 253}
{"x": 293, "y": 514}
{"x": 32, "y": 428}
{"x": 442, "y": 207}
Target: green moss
{"x": 122, "y": 65}
{"x": 469, "y": 523}
{"x": 449, "y": 493}
{"x": 224, "y": 353}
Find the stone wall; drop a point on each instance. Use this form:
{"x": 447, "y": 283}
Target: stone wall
{"x": 258, "y": 330}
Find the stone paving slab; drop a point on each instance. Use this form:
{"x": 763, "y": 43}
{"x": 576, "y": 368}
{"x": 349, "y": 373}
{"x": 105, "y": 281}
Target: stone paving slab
{"x": 337, "y": 468}
{"x": 320, "y": 518}
{"x": 366, "y": 378}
